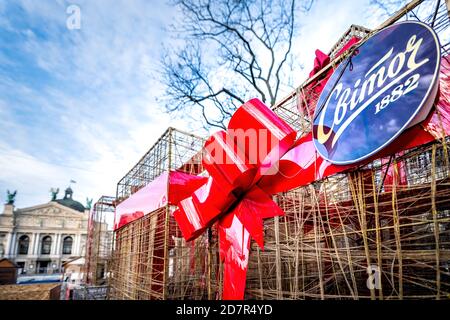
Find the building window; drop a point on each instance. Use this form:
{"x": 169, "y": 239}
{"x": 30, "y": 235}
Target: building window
{"x": 21, "y": 267}
{"x": 24, "y": 242}
{"x": 42, "y": 266}
{"x": 67, "y": 245}
{"x": 46, "y": 245}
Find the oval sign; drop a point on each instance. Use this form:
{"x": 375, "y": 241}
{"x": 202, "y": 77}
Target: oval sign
{"x": 388, "y": 85}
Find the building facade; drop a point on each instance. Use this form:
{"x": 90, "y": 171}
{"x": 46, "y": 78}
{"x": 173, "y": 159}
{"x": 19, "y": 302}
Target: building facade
{"x": 41, "y": 238}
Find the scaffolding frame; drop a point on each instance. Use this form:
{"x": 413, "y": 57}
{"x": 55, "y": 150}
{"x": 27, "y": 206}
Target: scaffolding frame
{"x": 174, "y": 150}
{"x": 354, "y": 31}
{"x": 151, "y": 260}
{"x": 99, "y": 241}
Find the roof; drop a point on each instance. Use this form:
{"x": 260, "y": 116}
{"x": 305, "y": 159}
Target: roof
{"x": 71, "y": 204}
{"x": 6, "y": 263}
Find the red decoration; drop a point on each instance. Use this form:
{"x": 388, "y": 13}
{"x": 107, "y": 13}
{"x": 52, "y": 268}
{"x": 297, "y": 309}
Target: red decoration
{"x": 236, "y": 160}
{"x": 154, "y": 196}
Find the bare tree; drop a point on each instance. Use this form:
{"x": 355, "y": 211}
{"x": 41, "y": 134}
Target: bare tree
{"x": 232, "y": 50}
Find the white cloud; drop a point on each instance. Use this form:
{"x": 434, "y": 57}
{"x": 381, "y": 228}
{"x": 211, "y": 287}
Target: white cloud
{"x": 103, "y": 89}
{"x": 103, "y": 99}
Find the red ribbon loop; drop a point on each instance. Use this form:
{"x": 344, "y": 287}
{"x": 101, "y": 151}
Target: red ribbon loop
{"x": 236, "y": 160}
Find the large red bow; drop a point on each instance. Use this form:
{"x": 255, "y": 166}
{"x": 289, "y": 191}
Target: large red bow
{"x": 236, "y": 160}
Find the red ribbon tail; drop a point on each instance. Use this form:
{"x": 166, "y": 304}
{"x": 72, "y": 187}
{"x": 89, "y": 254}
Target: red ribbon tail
{"x": 235, "y": 250}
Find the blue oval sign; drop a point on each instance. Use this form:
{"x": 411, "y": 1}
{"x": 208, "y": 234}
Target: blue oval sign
{"x": 388, "y": 85}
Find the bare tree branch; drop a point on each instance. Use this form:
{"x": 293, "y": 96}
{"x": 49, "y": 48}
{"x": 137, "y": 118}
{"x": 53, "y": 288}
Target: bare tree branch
{"x": 233, "y": 50}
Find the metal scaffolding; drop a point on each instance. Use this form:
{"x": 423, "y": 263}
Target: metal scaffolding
{"x": 151, "y": 260}
{"x": 174, "y": 150}
{"x": 297, "y": 109}
{"x": 99, "y": 241}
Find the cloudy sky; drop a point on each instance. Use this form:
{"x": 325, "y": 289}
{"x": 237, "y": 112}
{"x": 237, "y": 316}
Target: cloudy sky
{"x": 81, "y": 104}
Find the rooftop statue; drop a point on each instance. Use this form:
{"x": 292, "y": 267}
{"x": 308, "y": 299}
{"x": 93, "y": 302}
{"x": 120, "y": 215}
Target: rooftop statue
{"x": 54, "y": 193}
{"x": 11, "y": 197}
{"x": 89, "y": 203}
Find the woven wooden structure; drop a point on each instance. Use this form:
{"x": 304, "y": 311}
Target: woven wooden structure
{"x": 352, "y": 236}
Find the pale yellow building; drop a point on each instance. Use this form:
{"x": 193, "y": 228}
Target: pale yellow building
{"x": 41, "y": 238}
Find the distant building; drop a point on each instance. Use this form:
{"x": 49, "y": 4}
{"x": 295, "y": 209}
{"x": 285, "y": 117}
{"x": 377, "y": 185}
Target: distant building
{"x": 41, "y": 238}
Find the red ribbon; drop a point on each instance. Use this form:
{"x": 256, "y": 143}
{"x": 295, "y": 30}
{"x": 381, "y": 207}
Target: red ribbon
{"x": 236, "y": 160}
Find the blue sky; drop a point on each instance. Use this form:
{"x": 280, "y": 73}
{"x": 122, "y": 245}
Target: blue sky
{"x": 81, "y": 104}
